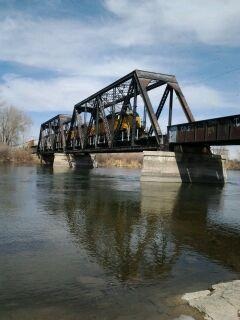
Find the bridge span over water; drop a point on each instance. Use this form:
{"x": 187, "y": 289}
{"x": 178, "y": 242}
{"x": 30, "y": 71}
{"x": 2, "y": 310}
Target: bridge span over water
{"x": 126, "y": 115}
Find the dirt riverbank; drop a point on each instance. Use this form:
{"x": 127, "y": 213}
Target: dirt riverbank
{"x": 17, "y": 156}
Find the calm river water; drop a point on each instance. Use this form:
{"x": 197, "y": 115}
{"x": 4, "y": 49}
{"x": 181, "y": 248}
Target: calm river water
{"x": 99, "y": 244}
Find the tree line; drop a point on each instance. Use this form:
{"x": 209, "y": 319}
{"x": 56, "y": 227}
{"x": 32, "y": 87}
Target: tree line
{"x": 14, "y": 122}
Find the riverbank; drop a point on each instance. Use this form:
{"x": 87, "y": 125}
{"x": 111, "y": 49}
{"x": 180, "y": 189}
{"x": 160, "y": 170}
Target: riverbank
{"x": 233, "y": 165}
{"x": 124, "y": 160}
{"x": 17, "y": 156}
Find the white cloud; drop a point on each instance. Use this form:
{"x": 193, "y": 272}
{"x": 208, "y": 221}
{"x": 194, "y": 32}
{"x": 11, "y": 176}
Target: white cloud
{"x": 73, "y": 45}
{"x": 144, "y": 22}
{"x": 68, "y": 47}
{"x": 207, "y": 102}
{"x": 46, "y": 43}
{"x": 59, "y": 94}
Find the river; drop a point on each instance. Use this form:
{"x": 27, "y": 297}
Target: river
{"x": 99, "y": 244}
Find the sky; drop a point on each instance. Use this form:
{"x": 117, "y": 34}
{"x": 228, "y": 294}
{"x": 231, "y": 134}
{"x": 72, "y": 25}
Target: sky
{"x": 55, "y": 53}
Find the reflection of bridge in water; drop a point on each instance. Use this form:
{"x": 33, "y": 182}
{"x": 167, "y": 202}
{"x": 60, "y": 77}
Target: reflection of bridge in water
{"x": 143, "y": 239}
{"x": 189, "y": 209}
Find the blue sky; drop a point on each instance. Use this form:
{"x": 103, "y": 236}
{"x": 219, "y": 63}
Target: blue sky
{"x": 55, "y": 53}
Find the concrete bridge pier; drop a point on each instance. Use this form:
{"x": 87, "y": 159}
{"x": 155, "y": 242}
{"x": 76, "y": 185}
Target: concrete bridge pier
{"x": 187, "y": 166}
{"x": 55, "y": 160}
{"x": 62, "y": 160}
{"x": 83, "y": 161}
{"x": 47, "y": 159}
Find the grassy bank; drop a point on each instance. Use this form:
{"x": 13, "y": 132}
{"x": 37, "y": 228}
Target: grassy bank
{"x": 127, "y": 160}
{"x": 233, "y": 165}
{"x": 16, "y": 155}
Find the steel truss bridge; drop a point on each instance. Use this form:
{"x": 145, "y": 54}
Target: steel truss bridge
{"x": 122, "y": 117}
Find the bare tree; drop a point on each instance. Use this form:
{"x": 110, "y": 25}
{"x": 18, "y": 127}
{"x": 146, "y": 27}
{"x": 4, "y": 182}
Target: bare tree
{"x": 238, "y": 155}
{"x": 13, "y": 123}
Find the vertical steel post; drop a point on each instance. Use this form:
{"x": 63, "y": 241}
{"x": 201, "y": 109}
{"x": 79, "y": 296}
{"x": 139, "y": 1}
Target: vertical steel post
{"x": 144, "y": 116}
{"x": 96, "y": 123}
{"x": 170, "y": 107}
{"x": 113, "y": 112}
{"x": 134, "y": 114}
{"x": 50, "y": 135}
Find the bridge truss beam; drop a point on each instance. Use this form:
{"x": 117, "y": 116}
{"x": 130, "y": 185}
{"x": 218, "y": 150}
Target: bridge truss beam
{"x": 109, "y": 119}
{"x": 52, "y": 136}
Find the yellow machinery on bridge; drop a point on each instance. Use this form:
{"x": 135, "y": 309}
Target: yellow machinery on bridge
{"x": 124, "y": 125}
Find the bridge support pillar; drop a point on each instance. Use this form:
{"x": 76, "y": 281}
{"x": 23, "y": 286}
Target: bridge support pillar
{"x": 47, "y": 159}
{"x": 83, "y": 161}
{"x": 162, "y": 166}
{"x": 62, "y": 160}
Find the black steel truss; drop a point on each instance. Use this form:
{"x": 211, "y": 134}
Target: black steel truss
{"x": 99, "y": 122}
{"x": 53, "y": 134}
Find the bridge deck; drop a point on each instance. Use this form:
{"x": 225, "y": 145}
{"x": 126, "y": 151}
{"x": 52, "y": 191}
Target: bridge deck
{"x": 106, "y": 150}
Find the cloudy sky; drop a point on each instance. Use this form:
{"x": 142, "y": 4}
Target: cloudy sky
{"x": 54, "y": 53}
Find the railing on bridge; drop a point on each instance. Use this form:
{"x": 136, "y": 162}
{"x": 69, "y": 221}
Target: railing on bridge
{"x": 217, "y": 131}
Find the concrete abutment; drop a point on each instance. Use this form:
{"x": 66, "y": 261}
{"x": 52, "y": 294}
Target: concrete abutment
{"x": 162, "y": 166}
{"x": 46, "y": 159}
{"x": 84, "y": 161}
